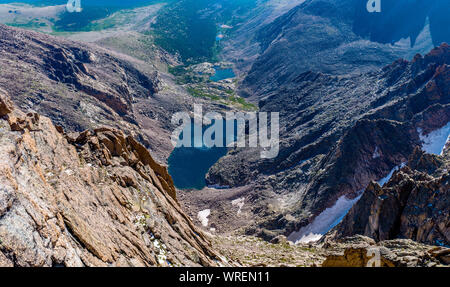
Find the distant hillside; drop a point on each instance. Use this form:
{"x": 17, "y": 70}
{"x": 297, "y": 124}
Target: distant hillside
{"x": 341, "y": 37}
{"x": 338, "y": 133}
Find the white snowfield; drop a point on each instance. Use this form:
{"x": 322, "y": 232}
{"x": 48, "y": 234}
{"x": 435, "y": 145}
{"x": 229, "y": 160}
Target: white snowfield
{"x": 376, "y": 153}
{"x": 324, "y": 222}
{"x": 384, "y": 180}
{"x": 435, "y": 141}
{"x": 203, "y": 217}
{"x": 239, "y": 202}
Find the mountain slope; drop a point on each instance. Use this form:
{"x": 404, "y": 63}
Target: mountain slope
{"x": 338, "y": 134}
{"x": 95, "y": 198}
{"x": 83, "y": 86}
{"x": 341, "y": 37}
{"x": 413, "y": 204}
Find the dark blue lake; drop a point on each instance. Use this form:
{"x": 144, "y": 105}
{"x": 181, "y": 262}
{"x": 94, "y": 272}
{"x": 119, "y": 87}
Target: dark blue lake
{"x": 222, "y": 74}
{"x": 188, "y": 166}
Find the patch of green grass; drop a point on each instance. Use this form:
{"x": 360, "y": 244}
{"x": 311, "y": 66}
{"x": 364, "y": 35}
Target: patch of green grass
{"x": 183, "y": 76}
{"x": 200, "y": 94}
{"x": 75, "y": 22}
{"x": 33, "y": 24}
{"x": 101, "y": 25}
{"x": 177, "y": 71}
{"x": 246, "y": 105}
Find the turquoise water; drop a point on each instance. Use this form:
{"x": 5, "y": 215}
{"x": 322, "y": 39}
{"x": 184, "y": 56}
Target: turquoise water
{"x": 222, "y": 74}
{"x": 188, "y": 166}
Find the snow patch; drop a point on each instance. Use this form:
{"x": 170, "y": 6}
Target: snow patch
{"x": 312, "y": 237}
{"x": 162, "y": 253}
{"x": 239, "y": 203}
{"x": 68, "y": 172}
{"x": 376, "y": 153}
{"x": 384, "y": 180}
{"x": 324, "y": 222}
{"x": 203, "y": 217}
{"x": 435, "y": 141}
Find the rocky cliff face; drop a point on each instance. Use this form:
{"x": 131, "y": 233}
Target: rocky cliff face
{"x": 338, "y": 134}
{"x": 403, "y": 19}
{"x": 414, "y": 204}
{"x": 95, "y": 198}
{"x": 242, "y": 46}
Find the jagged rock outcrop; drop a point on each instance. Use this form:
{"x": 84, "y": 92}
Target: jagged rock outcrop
{"x": 96, "y": 198}
{"x": 102, "y": 145}
{"x": 341, "y": 37}
{"x": 360, "y": 251}
{"x": 6, "y": 106}
{"x": 414, "y": 204}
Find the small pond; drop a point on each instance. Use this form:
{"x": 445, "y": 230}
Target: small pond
{"x": 222, "y": 74}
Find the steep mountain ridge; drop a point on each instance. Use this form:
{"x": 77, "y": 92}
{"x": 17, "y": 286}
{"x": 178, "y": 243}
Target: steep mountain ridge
{"x": 413, "y": 204}
{"x": 95, "y": 198}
